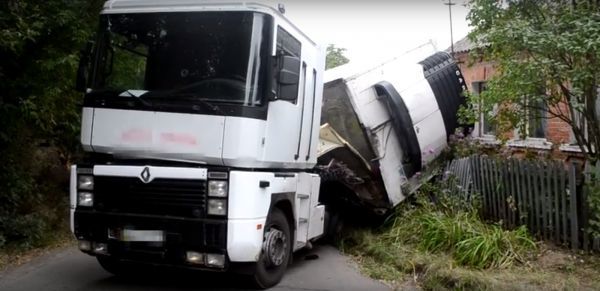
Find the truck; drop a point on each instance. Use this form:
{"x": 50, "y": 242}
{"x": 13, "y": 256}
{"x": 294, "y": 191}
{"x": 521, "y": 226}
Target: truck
{"x": 215, "y": 142}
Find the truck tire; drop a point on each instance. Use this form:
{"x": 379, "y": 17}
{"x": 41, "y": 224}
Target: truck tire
{"x": 276, "y": 252}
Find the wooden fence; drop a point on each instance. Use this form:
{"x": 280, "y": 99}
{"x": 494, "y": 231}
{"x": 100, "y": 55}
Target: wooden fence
{"x": 548, "y": 197}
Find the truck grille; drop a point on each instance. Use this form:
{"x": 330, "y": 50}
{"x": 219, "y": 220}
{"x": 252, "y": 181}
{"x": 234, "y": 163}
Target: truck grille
{"x": 173, "y": 197}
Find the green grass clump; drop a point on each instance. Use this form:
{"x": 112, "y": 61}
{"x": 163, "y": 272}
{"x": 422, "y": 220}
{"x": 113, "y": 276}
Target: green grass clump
{"x": 471, "y": 241}
{"x": 494, "y": 247}
{"x": 460, "y": 233}
{"x": 438, "y": 242}
{"x": 441, "y": 245}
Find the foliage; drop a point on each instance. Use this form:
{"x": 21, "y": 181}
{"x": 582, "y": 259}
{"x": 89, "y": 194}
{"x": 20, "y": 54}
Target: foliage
{"x": 335, "y": 57}
{"x": 444, "y": 245}
{"x": 460, "y": 146}
{"x": 453, "y": 227}
{"x": 547, "y": 55}
{"x": 592, "y": 187}
{"x": 39, "y": 111}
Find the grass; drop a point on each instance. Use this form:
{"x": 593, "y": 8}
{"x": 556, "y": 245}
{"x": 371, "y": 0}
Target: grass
{"x": 17, "y": 254}
{"x": 444, "y": 247}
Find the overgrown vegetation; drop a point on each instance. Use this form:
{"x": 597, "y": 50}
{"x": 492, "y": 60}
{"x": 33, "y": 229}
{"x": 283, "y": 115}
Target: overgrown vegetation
{"x": 39, "y": 114}
{"x": 440, "y": 242}
{"x": 592, "y": 186}
{"x": 547, "y": 57}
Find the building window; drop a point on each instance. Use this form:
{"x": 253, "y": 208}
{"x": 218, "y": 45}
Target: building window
{"x": 536, "y": 119}
{"x": 486, "y": 125}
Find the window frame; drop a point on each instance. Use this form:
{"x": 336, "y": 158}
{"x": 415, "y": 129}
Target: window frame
{"x": 477, "y": 88}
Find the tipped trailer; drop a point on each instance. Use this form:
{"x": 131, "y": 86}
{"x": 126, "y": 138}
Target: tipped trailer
{"x": 210, "y": 145}
{"x": 388, "y": 122}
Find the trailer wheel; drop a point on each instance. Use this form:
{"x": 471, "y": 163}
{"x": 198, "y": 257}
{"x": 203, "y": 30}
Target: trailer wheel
{"x": 276, "y": 251}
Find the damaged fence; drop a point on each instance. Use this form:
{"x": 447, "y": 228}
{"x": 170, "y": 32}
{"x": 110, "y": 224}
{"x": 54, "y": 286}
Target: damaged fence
{"x": 547, "y": 196}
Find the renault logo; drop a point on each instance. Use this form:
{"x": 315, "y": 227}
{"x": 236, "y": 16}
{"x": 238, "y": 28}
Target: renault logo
{"x": 145, "y": 175}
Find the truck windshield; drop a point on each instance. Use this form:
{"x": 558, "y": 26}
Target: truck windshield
{"x": 216, "y": 56}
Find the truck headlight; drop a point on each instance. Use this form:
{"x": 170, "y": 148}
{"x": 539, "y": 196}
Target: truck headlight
{"x": 85, "y": 199}
{"x": 85, "y": 182}
{"x": 215, "y": 260}
{"x": 217, "y": 207}
{"x": 217, "y": 189}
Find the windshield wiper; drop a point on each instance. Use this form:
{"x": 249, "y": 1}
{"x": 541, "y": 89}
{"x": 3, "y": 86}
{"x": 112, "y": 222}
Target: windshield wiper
{"x": 193, "y": 98}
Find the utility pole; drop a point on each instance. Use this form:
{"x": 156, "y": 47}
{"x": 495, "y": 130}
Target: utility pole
{"x": 450, "y": 4}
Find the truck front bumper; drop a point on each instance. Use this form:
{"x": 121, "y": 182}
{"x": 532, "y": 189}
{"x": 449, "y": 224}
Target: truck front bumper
{"x": 181, "y": 235}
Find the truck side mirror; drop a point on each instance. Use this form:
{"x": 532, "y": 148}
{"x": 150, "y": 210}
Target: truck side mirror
{"x": 82, "y": 71}
{"x": 288, "y": 78}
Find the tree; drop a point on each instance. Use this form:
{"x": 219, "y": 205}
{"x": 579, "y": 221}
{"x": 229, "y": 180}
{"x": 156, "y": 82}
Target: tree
{"x": 547, "y": 55}
{"x": 335, "y": 57}
{"x": 39, "y": 45}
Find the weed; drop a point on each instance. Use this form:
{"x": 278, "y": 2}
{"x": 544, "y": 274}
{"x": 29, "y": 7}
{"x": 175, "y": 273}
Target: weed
{"x": 441, "y": 243}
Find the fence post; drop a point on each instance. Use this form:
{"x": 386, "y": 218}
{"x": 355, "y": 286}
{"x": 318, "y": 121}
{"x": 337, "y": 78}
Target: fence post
{"x": 573, "y": 207}
{"x": 519, "y": 191}
{"x": 512, "y": 207}
{"x": 536, "y": 198}
{"x": 585, "y": 206}
{"x": 543, "y": 201}
{"x": 498, "y": 190}
{"x": 563, "y": 205}
{"x": 488, "y": 187}
{"x": 475, "y": 176}
{"x": 500, "y": 178}
{"x": 530, "y": 196}
{"x": 555, "y": 176}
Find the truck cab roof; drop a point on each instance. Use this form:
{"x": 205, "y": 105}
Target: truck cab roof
{"x": 154, "y": 6}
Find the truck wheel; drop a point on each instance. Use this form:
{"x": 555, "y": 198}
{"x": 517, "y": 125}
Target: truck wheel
{"x": 276, "y": 251}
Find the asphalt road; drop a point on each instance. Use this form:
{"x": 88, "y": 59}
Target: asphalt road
{"x": 68, "y": 269}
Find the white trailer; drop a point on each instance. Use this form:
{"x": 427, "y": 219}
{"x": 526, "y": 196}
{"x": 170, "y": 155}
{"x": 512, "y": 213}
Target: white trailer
{"x": 201, "y": 120}
{"x": 394, "y": 119}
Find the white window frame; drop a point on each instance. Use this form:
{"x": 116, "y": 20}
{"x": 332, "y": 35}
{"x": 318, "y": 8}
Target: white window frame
{"x": 572, "y": 145}
{"x": 480, "y": 134}
{"x": 529, "y": 141}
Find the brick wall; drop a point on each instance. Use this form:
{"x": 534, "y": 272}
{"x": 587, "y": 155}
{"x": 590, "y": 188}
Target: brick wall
{"x": 557, "y": 131}
{"x": 474, "y": 72}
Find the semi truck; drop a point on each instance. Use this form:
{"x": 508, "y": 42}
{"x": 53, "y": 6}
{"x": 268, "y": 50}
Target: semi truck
{"x": 215, "y": 142}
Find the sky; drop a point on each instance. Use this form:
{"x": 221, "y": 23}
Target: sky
{"x": 374, "y": 30}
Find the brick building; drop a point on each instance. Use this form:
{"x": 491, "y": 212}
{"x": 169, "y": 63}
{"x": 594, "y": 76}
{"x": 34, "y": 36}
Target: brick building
{"x": 548, "y": 134}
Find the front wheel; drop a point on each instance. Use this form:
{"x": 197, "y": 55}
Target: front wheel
{"x": 276, "y": 251}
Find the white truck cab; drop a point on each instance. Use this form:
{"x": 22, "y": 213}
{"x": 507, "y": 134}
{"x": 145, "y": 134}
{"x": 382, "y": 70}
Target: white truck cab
{"x": 210, "y": 147}
{"x": 201, "y": 119}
